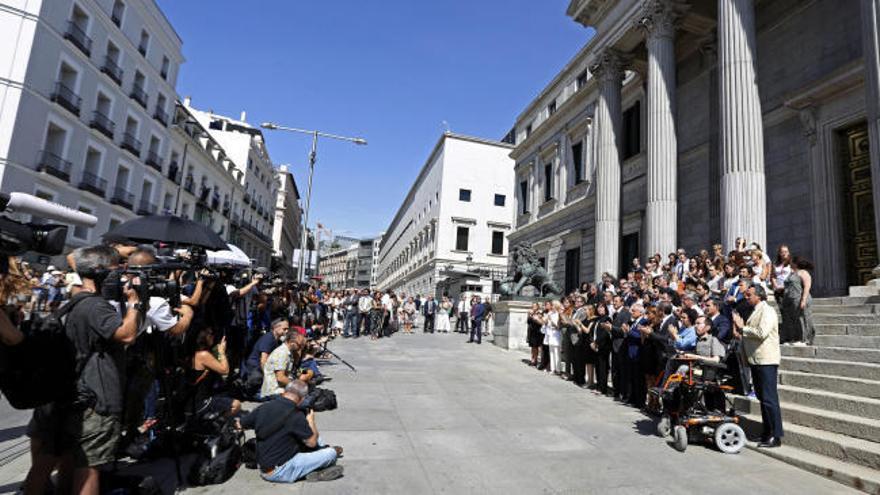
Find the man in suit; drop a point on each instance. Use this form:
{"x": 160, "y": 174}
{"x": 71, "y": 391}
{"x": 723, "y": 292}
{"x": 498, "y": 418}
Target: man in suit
{"x": 429, "y": 310}
{"x": 478, "y": 314}
{"x": 720, "y": 323}
{"x": 760, "y": 342}
{"x": 619, "y": 378}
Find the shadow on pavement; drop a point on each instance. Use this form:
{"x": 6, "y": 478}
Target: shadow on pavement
{"x": 11, "y": 487}
{"x": 10, "y": 433}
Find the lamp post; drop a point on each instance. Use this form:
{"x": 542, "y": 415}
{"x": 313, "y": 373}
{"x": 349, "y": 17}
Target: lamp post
{"x": 312, "y": 158}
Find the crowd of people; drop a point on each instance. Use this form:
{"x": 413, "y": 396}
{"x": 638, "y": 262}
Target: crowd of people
{"x": 710, "y": 306}
{"x": 157, "y": 350}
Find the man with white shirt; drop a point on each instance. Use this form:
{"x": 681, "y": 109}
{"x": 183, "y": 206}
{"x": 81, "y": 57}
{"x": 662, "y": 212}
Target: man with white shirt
{"x": 365, "y": 303}
{"x": 463, "y": 310}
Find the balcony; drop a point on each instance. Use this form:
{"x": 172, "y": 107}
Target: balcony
{"x": 190, "y": 185}
{"x": 146, "y": 208}
{"x": 215, "y": 202}
{"x": 236, "y": 220}
{"x": 154, "y": 161}
{"x": 174, "y": 172}
{"x": 164, "y": 73}
{"x": 143, "y": 50}
{"x": 77, "y": 36}
{"x": 122, "y": 197}
{"x": 203, "y": 194}
{"x": 139, "y": 95}
{"x": 102, "y": 124}
{"x": 247, "y": 198}
{"x": 131, "y": 144}
{"x": 53, "y": 164}
{"x": 226, "y": 209}
{"x": 65, "y": 97}
{"x": 93, "y": 184}
{"x": 111, "y": 69}
{"x": 160, "y": 116}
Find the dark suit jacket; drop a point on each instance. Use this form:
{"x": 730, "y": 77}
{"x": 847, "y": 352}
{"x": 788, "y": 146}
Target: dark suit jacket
{"x": 721, "y": 328}
{"x": 617, "y": 333}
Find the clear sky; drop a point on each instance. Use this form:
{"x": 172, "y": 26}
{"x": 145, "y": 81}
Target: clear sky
{"x": 388, "y": 70}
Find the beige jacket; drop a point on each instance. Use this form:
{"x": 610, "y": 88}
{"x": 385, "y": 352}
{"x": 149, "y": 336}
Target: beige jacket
{"x": 760, "y": 336}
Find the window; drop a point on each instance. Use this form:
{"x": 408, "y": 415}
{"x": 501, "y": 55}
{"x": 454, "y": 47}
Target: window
{"x": 581, "y": 80}
{"x": 118, "y": 10}
{"x": 461, "y": 239}
{"x": 524, "y": 197}
{"x": 631, "y": 132}
{"x": 114, "y": 222}
{"x": 572, "y": 269}
{"x": 577, "y": 161}
{"x": 144, "y": 43}
{"x": 500, "y": 199}
{"x": 551, "y": 108}
{"x": 497, "y": 242}
{"x": 542, "y": 262}
{"x": 548, "y": 182}
{"x": 164, "y": 71}
{"x": 464, "y": 195}
{"x": 79, "y": 231}
{"x": 528, "y": 130}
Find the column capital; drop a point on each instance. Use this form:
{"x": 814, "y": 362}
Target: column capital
{"x": 659, "y": 18}
{"x": 608, "y": 66}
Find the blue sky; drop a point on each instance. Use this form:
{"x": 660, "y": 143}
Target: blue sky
{"x": 388, "y": 70}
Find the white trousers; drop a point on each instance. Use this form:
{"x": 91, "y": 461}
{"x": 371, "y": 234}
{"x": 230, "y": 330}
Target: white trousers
{"x": 555, "y": 358}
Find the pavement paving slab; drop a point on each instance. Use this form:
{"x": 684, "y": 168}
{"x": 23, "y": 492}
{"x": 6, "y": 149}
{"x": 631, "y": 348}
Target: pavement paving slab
{"x": 429, "y": 414}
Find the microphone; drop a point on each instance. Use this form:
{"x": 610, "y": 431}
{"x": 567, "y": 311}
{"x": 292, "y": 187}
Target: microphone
{"x": 26, "y": 203}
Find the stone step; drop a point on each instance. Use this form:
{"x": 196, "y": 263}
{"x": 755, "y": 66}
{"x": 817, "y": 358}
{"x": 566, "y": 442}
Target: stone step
{"x": 861, "y": 309}
{"x": 857, "y": 341}
{"x": 830, "y": 401}
{"x": 868, "y": 371}
{"x": 840, "y": 301}
{"x": 863, "y": 291}
{"x": 846, "y": 319}
{"x": 847, "y": 354}
{"x": 858, "y": 387}
{"x": 871, "y": 330}
{"x": 820, "y": 419}
{"x": 852, "y": 475}
{"x": 834, "y": 445}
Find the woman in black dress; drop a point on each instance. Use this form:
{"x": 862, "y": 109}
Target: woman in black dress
{"x": 534, "y": 337}
{"x": 600, "y": 347}
{"x": 581, "y": 321}
{"x": 206, "y": 376}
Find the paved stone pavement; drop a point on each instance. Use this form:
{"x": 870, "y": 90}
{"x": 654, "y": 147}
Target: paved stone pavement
{"x": 431, "y": 414}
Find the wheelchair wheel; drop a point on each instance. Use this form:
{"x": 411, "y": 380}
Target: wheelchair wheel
{"x": 664, "y": 426}
{"x": 730, "y": 438}
{"x": 680, "y": 436}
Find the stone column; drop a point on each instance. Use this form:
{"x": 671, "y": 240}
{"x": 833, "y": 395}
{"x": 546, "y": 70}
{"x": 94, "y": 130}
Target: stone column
{"x": 658, "y": 19}
{"x": 871, "y": 52}
{"x": 609, "y": 70}
{"x": 743, "y": 191}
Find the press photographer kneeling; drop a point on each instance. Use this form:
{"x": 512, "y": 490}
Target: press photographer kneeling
{"x": 288, "y": 445}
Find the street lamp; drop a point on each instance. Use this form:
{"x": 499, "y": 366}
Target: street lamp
{"x": 312, "y": 158}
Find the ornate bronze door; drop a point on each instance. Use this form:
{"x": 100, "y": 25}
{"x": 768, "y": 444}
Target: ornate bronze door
{"x": 860, "y": 232}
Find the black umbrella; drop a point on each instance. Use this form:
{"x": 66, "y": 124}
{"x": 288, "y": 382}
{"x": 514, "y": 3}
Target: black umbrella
{"x": 168, "y": 229}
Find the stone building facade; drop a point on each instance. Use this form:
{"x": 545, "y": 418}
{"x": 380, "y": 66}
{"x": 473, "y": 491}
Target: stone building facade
{"x": 685, "y": 123}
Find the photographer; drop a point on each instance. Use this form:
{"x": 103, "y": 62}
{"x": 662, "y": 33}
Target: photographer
{"x": 261, "y": 351}
{"x": 88, "y": 428}
{"x": 159, "y": 313}
{"x": 288, "y": 446}
{"x": 282, "y": 364}
{"x": 241, "y": 300}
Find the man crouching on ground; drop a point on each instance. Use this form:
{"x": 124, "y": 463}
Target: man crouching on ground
{"x": 288, "y": 447}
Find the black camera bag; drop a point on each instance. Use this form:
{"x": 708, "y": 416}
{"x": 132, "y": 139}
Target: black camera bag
{"x": 42, "y": 369}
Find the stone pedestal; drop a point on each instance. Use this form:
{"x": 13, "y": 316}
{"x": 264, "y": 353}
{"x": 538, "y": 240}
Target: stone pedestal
{"x": 510, "y": 324}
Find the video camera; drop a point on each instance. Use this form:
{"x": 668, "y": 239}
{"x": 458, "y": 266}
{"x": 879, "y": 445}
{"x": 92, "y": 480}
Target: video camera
{"x": 19, "y": 237}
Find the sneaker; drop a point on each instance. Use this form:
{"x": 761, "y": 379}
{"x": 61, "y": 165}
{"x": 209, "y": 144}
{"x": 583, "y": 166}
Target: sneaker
{"x": 800, "y": 344}
{"x": 327, "y": 474}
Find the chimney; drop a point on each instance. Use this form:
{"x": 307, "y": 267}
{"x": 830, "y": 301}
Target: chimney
{"x": 187, "y": 100}
{"x": 243, "y": 116}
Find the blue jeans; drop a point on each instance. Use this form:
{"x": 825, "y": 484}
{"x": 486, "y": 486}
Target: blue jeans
{"x": 302, "y": 464}
{"x": 476, "y": 327}
{"x": 352, "y": 322}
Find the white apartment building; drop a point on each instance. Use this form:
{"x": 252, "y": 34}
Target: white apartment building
{"x": 339, "y": 267}
{"x": 287, "y": 228}
{"x": 450, "y": 233}
{"x": 255, "y": 213}
{"x": 85, "y": 102}
{"x": 374, "y": 265}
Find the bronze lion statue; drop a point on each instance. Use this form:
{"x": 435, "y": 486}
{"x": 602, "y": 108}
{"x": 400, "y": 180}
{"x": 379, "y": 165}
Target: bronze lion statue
{"x": 527, "y": 270}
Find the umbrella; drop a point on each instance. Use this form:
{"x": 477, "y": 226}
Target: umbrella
{"x": 169, "y": 229}
{"x": 232, "y": 256}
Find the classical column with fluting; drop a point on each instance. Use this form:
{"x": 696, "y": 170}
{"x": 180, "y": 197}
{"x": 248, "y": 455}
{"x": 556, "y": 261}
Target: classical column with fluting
{"x": 658, "y": 19}
{"x": 608, "y": 69}
{"x": 743, "y": 190}
{"x": 871, "y": 51}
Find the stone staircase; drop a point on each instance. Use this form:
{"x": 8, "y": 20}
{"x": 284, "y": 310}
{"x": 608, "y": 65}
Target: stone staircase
{"x": 830, "y": 395}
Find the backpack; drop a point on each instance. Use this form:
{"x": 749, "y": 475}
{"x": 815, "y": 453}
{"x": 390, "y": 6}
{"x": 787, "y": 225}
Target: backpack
{"x": 42, "y": 369}
{"x": 219, "y": 457}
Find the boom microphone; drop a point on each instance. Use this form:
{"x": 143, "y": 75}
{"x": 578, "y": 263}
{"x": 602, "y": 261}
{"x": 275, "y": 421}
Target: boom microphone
{"x": 26, "y": 203}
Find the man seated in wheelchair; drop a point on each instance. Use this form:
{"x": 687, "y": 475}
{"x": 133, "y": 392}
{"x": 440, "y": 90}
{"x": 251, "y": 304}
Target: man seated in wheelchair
{"x": 703, "y": 364}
